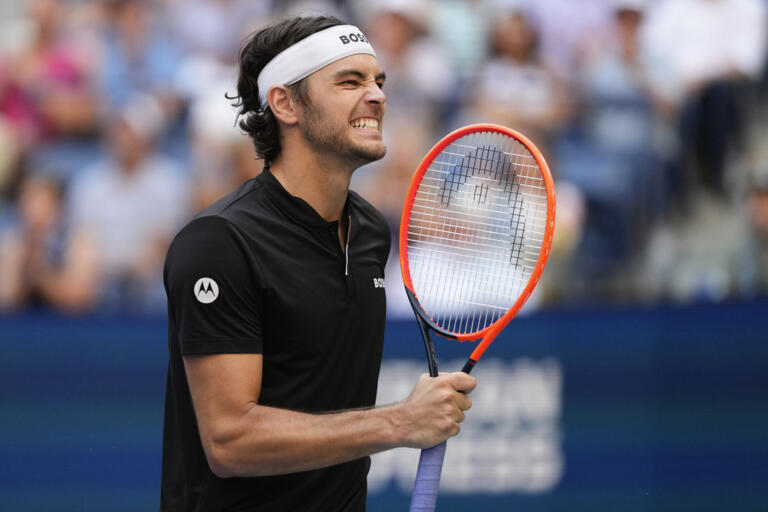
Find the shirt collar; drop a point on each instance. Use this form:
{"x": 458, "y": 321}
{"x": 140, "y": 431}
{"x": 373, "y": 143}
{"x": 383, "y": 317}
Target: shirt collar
{"x": 297, "y": 208}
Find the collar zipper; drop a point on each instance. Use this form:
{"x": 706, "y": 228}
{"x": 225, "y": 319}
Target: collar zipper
{"x": 346, "y": 250}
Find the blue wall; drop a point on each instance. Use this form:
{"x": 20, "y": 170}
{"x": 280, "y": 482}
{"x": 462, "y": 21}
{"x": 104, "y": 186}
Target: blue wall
{"x": 650, "y": 409}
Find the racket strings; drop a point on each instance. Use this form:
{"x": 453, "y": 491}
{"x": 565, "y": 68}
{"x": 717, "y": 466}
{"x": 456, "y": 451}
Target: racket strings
{"x": 476, "y": 230}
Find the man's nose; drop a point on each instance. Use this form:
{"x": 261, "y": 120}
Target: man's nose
{"x": 374, "y": 94}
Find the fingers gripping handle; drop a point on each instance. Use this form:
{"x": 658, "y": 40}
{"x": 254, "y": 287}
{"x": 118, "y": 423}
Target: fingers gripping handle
{"x": 428, "y": 479}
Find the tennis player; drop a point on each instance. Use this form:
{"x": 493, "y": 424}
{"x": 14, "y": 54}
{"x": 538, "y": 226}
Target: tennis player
{"x": 276, "y": 301}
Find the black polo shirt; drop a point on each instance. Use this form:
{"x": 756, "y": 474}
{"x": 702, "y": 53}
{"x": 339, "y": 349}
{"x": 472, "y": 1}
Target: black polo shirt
{"x": 261, "y": 272}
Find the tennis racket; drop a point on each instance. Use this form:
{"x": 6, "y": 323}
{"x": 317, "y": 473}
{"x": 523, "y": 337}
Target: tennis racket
{"x": 474, "y": 239}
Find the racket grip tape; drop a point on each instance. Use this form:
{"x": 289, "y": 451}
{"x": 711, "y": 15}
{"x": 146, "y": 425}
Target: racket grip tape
{"x": 428, "y": 479}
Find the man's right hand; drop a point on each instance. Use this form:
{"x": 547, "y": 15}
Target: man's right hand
{"x": 435, "y": 408}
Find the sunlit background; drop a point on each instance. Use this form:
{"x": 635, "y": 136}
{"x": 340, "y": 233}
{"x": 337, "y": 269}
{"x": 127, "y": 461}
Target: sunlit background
{"x": 636, "y": 377}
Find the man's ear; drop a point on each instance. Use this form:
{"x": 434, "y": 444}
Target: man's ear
{"x": 282, "y": 104}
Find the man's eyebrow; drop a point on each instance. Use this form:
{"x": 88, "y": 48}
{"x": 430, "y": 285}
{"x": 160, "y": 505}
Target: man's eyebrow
{"x": 354, "y": 72}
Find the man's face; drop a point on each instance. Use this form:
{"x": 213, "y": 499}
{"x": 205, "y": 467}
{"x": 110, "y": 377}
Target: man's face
{"x": 345, "y": 111}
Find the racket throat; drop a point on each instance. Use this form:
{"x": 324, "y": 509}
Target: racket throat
{"x": 429, "y": 347}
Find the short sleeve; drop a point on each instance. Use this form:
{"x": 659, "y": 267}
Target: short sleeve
{"x": 214, "y": 289}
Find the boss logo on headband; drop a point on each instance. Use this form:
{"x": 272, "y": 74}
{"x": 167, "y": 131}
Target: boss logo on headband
{"x": 353, "y": 38}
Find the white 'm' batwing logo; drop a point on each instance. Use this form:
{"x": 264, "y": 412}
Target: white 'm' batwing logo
{"x": 206, "y": 290}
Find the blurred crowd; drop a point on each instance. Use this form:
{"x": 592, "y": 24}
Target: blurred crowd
{"x": 653, "y": 116}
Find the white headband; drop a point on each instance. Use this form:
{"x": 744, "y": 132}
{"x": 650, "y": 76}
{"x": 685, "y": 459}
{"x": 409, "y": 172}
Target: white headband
{"x": 310, "y": 54}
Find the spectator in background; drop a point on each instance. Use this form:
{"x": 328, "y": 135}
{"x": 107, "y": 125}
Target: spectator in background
{"x": 214, "y": 28}
{"x": 514, "y": 88}
{"x": 32, "y": 261}
{"x": 420, "y": 78}
{"x": 704, "y": 52}
{"x": 611, "y": 156}
{"x": 222, "y": 156}
{"x": 138, "y": 57}
{"x": 10, "y": 153}
{"x": 210, "y": 31}
{"x": 124, "y": 210}
{"x": 753, "y": 267}
{"x": 461, "y": 27}
{"x": 614, "y": 86}
{"x": 556, "y": 283}
{"x": 567, "y": 29}
{"x": 45, "y": 87}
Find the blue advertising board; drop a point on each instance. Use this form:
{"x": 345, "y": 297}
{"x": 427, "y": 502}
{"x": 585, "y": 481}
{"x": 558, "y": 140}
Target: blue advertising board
{"x": 639, "y": 409}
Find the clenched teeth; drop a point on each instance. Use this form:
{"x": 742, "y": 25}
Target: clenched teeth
{"x": 368, "y": 122}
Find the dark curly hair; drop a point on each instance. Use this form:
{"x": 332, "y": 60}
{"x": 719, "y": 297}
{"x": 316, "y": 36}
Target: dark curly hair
{"x": 257, "y": 50}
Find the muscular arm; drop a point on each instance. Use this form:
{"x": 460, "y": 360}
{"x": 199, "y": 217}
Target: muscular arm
{"x": 242, "y": 438}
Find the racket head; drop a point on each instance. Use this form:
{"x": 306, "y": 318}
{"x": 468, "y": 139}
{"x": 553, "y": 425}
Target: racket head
{"x": 482, "y": 195}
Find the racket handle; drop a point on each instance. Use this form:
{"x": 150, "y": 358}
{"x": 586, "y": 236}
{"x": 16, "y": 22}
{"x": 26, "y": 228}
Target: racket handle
{"x": 428, "y": 479}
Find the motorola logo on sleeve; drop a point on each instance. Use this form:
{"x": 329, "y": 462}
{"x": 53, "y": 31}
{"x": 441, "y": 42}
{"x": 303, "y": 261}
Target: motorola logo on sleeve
{"x": 206, "y": 290}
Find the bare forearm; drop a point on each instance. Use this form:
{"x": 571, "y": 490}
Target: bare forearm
{"x": 242, "y": 439}
{"x": 270, "y": 441}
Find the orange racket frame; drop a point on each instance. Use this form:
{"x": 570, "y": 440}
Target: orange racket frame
{"x": 490, "y": 332}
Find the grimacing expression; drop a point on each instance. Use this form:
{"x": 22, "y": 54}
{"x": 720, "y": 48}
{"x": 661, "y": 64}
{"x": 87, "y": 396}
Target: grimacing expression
{"x": 346, "y": 109}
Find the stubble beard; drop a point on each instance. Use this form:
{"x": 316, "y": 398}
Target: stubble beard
{"x": 333, "y": 138}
